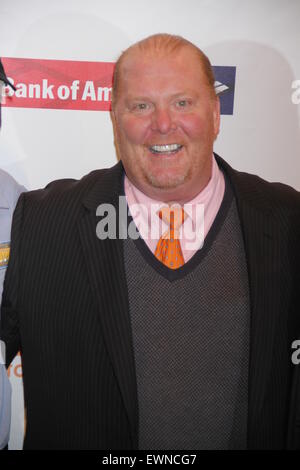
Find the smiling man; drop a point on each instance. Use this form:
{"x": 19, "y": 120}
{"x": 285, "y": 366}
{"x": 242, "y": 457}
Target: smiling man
{"x": 154, "y": 342}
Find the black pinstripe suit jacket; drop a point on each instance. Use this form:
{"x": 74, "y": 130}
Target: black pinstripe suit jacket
{"x": 65, "y": 306}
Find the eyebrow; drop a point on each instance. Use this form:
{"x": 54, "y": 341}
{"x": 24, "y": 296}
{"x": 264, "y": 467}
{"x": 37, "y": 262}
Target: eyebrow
{"x": 147, "y": 98}
{"x": 137, "y": 98}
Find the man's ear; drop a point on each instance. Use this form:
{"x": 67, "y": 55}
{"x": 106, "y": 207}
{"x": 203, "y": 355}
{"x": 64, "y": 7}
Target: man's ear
{"x": 112, "y": 115}
{"x": 115, "y": 132}
{"x": 216, "y": 116}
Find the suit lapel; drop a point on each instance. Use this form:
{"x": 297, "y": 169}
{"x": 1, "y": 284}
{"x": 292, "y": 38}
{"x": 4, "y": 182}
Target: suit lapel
{"x": 264, "y": 248}
{"x": 105, "y": 266}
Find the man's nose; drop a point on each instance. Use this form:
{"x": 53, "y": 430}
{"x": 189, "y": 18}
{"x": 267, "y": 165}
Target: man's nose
{"x": 163, "y": 121}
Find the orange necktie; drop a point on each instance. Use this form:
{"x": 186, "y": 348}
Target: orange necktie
{"x": 168, "y": 249}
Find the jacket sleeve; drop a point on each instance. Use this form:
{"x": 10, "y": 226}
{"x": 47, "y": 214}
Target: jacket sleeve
{"x": 10, "y": 334}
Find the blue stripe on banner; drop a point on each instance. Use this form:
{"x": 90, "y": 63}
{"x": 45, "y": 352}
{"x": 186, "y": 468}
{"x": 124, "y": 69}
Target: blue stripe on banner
{"x": 225, "y": 86}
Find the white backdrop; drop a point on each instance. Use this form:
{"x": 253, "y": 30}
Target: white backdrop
{"x": 260, "y": 37}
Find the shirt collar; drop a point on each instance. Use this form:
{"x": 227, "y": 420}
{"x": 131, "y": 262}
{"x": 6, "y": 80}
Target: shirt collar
{"x": 139, "y": 201}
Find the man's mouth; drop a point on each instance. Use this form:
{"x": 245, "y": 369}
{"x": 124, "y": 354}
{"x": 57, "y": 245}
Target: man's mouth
{"x": 166, "y": 149}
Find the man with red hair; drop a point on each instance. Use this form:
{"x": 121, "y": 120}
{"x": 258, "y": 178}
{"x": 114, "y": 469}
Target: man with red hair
{"x": 177, "y": 340}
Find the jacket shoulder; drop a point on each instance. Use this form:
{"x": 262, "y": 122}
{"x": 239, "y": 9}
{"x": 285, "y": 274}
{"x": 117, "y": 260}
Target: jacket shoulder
{"x": 59, "y": 204}
{"x": 63, "y": 192}
{"x": 270, "y": 196}
{"x": 276, "y": 192}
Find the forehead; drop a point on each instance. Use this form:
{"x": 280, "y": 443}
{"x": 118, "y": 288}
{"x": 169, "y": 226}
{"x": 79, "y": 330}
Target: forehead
{"x": 146, "y": 71}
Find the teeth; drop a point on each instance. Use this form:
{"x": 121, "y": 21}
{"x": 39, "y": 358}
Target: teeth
{"x": 165, "y": 148}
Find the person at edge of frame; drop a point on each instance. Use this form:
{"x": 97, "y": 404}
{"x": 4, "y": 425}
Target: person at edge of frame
{"x": 10, "y": 191}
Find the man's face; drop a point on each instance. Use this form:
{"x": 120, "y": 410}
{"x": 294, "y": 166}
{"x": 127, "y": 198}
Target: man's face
{"x": 165, "y": 122}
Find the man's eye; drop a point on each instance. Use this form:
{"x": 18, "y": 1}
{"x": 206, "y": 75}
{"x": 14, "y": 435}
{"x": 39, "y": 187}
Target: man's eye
{"x": 182, "y": 103}
{"x": 140, "y": 106}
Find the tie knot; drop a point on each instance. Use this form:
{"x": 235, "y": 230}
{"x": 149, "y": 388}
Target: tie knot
{"x": 173, "y": 216}
{"x": 168, "y": 249}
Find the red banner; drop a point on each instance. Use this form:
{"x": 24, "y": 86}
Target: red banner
{"x": 58, "y": 84}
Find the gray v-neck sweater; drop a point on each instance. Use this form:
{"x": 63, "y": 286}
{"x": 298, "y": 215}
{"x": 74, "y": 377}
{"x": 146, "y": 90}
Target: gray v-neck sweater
{"x": 191, "y": 341}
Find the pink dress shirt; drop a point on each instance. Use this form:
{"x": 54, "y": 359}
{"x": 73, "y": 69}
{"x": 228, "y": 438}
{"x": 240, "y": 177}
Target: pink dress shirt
{"x": 201, "y": 212}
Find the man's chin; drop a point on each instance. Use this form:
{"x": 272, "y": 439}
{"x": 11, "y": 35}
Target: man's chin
{"x": 167, "y": 182}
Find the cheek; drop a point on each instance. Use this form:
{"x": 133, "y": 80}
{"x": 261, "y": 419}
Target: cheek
{"x": 196, "y": 126}
{"x": 134, "y": 129}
